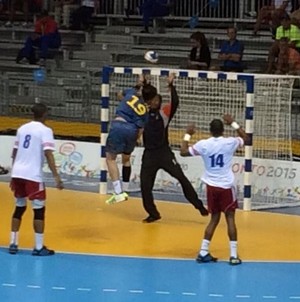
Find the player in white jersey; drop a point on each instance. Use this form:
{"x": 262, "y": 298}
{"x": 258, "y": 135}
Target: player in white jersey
{"x": 34, "y": 142}
{"x": 217, "y": 153}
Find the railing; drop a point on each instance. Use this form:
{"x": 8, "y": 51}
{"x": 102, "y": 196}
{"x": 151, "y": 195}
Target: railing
{"x": 188, "y": 8}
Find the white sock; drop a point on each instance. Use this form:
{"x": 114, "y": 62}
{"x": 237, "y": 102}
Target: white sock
{"x": 125, "y": 186}
{"x": 39, "y": 241}
{"x": 204, "y": 247}
{"x": 117, "y": 187}
{"x": 14, "y": 238}
{"x": 233, "y": 249}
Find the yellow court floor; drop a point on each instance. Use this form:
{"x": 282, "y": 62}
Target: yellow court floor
{"x": 81, "y": 222}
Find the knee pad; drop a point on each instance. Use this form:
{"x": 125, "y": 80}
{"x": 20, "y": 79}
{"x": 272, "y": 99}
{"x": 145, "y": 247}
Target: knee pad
{"x": 39, "y": 214}
{"x": 19, "y": 211}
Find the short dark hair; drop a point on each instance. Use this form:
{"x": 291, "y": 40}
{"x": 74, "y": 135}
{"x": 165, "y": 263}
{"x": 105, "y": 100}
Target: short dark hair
{"x": 216, "y": 127}
{"x": 149, "y": 92}
{"x": 39, "y": 110}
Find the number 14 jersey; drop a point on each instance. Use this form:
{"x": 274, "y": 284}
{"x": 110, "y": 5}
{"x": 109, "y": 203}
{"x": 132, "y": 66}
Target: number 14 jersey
{"x": 217, "y": 154}
{"x": 31, "y": 141}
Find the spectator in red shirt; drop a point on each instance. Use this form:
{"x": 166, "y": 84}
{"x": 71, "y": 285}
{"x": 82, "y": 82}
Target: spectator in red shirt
{"x": 45, "y": 36}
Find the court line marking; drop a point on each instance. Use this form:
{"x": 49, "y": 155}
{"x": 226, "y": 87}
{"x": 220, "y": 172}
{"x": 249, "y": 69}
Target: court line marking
{"x": 109, "y": 290}
{"x": 161, "y": 292}
{"x": 139, "y": 291}
{"x": 9, "y": 284}
{"x": 136, "y": 291}
{"x": 189, "y": 294}
{"x": 33, "y": 286}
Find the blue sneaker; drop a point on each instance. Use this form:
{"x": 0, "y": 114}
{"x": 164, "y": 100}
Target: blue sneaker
{"x": 207, "y": 258}
{"x": 44, "y": 251}
{"x": 13, "y": 249}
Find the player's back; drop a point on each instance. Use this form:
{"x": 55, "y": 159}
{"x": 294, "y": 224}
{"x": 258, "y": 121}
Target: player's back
{"x": 217, "y": 154}
{"x": 31, "y": 140}
{"x": 132, "y": 109}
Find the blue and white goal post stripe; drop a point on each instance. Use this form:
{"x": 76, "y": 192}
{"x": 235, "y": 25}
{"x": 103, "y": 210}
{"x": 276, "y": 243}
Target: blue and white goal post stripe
{"x": 249, "y": 113}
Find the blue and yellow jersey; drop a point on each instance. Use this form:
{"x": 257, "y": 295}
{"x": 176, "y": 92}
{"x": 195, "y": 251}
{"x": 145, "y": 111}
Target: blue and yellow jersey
{"x": 132, "y": 109}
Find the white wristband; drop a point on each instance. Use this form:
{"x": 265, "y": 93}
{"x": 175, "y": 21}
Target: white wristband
{"x": 235, "y": 126}
{"x": 187, "y": 137}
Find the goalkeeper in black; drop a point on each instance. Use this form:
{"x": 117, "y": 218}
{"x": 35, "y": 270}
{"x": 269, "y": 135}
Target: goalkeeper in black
{"x": 158, "y": 155}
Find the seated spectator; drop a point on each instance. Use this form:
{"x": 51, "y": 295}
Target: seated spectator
{"x": 45, "y": 36}
{"x": 63, "y": 10}
{"x": 271, "y": 15}
{"x": 286, "y": 30}
{"x": 288, "y": 59}
{"x": 154, "y": 9}
{"x": 81, "y": 17}
{"x": 32, "y": 6}
{"x": 231, "y": 52}
{"x": 200, "y": 54}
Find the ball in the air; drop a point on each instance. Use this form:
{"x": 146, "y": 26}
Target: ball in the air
{"x": 151, "y": 56}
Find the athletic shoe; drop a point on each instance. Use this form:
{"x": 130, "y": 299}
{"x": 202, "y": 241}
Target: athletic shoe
{"x": 115, "y": 198}
{"x": 207, "y": 258}
{"x": 13, "y": 249}
{"x": 235, "y": 261}
{"x": 150, "y": 219}
{"x": 44, "y": 251}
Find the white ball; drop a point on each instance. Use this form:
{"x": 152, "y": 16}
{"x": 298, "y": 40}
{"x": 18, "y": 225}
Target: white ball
{"x": 151, "y": 56}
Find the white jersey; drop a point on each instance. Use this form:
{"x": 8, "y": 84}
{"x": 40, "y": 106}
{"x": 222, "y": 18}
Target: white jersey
{"x": 32, "y": 140}
{"x": 217, "y": 154}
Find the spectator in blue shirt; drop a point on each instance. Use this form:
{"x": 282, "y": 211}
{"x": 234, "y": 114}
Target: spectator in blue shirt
{"x": 231, "y": 52}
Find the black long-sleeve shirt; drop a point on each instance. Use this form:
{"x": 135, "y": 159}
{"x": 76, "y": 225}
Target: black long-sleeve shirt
{"x": 155, "y": 135}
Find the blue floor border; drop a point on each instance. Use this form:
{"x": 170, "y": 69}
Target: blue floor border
{"x": 80, "y": 277}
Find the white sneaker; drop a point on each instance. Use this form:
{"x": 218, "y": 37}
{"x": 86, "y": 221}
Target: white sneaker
{"x": 8, "y": 24}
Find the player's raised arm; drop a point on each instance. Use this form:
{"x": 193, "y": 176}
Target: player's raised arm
{"x": 184, "y": 149}
{"x": 229, "y": 120}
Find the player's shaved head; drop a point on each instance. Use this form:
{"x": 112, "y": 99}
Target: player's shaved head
{"x": 39, "y": 110}
{"x": 216, "y": 127}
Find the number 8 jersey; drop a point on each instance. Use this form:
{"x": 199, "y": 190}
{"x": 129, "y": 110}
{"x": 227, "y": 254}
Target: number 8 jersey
{"x": 217, "y": 154}
{"x": 31, "y": 141}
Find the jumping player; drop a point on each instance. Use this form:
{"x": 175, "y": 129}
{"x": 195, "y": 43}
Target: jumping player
{"x": 34, "y": 141}
{"x": 125, "y": 130}
{"x": 158, "y": 155}
{"x": 217, "y": 153}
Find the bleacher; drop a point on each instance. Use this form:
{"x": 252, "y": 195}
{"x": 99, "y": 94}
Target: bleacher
{"x": 115, "y": 40}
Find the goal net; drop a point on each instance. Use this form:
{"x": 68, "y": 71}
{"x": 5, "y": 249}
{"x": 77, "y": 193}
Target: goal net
{"x": 207, "y": 95}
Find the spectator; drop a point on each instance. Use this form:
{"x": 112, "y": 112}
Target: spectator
{"x": 27, "y": 6}
{"x": 200, "y": 54}
{"x": 81, "y": 17}
{"x": 231, "y": 52}
{"x": 153, "y": 9}
{"x": 271, "y": 15}
{"x": 288, "y": 59}
{"x": 63, "y": 10}
{"x": 45, "y": 36}
{"x": 286, "y": 30}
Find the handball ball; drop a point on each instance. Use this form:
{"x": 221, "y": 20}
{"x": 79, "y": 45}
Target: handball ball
{"x": 151, "y": 56}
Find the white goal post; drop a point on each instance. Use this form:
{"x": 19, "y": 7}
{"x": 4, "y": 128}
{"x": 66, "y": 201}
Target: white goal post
{"x": 261, "y": 103}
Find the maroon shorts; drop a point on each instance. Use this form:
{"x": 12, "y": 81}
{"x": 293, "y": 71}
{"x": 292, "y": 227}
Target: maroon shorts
{"x": 221, "y": 200}
{"x": 27, "y": 188}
